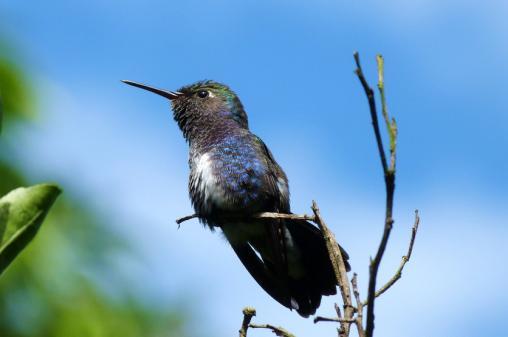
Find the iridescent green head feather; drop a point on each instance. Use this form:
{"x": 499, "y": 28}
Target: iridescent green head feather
{"x": 208, "y": 100}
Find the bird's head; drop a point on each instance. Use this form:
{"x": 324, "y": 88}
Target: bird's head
{"x": 204, "y": 100}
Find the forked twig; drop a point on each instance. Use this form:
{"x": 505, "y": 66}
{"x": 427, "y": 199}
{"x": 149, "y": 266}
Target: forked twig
{"x": 405, "y": 259}
{"x": 389, "y": 177}
{"x": 276, "y": 330}
{"x": 248, "y": 313}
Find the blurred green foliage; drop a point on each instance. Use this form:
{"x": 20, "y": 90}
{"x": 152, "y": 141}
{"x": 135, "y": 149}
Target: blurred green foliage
{"x": 16, "y": 97}
{"x": 52, "y": 289}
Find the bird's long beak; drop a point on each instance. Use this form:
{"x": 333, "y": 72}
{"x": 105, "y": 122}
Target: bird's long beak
{"x": 164, "y": 93}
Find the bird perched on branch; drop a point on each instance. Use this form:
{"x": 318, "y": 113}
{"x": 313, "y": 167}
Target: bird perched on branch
{"x": 233, "y": 175}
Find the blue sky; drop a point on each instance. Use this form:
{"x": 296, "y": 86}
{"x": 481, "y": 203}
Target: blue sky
{"x": 291, "y": 63}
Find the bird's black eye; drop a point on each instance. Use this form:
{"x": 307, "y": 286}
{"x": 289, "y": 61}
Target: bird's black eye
{"x": 202, "y": 93}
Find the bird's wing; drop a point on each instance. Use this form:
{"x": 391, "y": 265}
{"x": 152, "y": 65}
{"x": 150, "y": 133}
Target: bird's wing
{"x": 277, "y": 179}
{"x": 287, "y": 242}
{"x": 308, "y": 238}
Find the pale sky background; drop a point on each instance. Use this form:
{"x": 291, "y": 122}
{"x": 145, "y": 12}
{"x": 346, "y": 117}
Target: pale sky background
{"x": 291, "y": 64}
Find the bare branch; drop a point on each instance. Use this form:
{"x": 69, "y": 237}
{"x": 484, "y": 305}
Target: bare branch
{"x": 276, "y": 330}
{"x": 263, "y": 215}
{"x": 339, "y": 269}
{"x": 333, "y": 319}
{"x": 389, "y": 176}
{"x": 248, "y": 313}
{"x": 272, "y": 215}
{"x": 373, "y": 112}
{"x": 405, "y": 259}
{"x": 359, "y": 307}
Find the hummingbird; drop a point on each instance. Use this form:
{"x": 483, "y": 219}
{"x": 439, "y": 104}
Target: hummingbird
{"x": 233, "y": 177}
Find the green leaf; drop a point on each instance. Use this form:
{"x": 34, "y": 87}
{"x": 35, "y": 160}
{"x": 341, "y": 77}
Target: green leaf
{"x": 21, "y": 214}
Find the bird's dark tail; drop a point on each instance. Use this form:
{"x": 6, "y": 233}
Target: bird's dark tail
{"x": 301, "y": 290}
{"x": 319, "y": 275}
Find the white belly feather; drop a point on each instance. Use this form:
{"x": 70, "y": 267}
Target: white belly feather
{"x": 206, "y": 182}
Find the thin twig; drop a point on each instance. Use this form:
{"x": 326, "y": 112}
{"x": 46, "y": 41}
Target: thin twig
{"x": 339, "y": 269}
{"x": 248, "y": 313}
{"x": 373, "y": 112}
{"x": 391, "y": 125}
{"x": 389, "y": 177}
{"x": 263, "y": 215}
{"x": 276, "y": 330}
{"x": 318, "y": 319}
{"x": 185, "y": 218}
{"x": 359, "y": 307}
{"x": 405, "y": 259}
{"x": 273, "y": 215}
